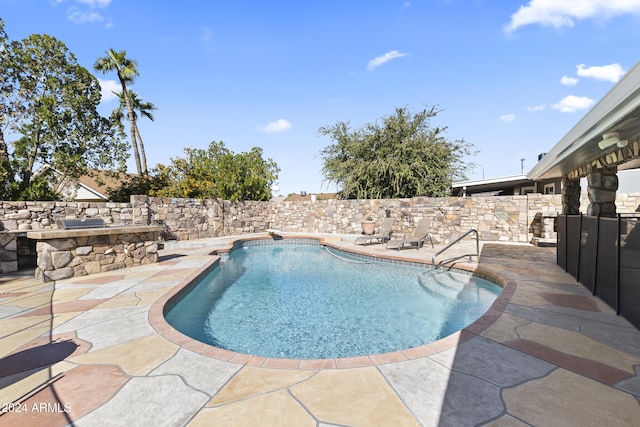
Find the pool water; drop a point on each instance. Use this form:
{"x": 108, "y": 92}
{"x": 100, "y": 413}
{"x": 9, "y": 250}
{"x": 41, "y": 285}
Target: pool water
{"x": 311, "y": 302}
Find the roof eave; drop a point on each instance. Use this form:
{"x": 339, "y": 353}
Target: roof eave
{"x": 504, "y": 179}
{"x": 621, "y": 101}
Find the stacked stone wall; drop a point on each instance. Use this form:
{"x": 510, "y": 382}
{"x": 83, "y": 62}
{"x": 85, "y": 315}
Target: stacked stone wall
{"x": 78, "y": 256}
{"x": 625, "y": 202}
{"x": 8, "y": 252}
{"x": 27, "y": 216}
{"x": 503, "y": 218}
{"x": 183, "y": 219}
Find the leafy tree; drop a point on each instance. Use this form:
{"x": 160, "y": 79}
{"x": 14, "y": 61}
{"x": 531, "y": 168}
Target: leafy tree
{"x": 49, "y": 105}
{"x": 127, "y": 70}
{"x": 401, "y": 157}
{"x": 151, "y": 184}
{"x": 217, "y": 172}
{"x": 252, "y": 177}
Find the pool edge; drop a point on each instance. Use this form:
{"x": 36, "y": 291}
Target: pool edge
{"x": 169, "y": 299}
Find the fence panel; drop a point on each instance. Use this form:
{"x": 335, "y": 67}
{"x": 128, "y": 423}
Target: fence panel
{"x": 573, "y": 244}
{"x": 561, "y": 246}
{"x": 630, "y": 269}
{"x": 607, "y": 274}
{"x": 588, "y": 245}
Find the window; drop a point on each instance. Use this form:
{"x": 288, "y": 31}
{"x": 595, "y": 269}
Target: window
{"x": 550, "y": 188}
{"x": 527, "y": 190}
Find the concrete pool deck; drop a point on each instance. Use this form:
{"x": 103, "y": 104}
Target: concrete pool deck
{"x": 84, "y": 352}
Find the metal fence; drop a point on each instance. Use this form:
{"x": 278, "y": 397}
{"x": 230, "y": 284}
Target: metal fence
{"x": 603, "y": 254}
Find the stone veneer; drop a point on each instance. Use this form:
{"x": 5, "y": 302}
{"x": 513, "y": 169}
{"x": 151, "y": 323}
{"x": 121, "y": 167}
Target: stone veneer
{"x": 571, "y": 193}
{"x": 68, "y": 253}
{"x": 502, "y": 218}
{"x": 603, "y": 185}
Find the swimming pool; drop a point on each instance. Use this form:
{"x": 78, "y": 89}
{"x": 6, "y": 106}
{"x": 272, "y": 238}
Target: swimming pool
{"x": 298, "y": 299}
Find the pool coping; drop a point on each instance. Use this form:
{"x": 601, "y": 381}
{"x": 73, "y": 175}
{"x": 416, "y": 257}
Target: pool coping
{"x": 165, "y": 302}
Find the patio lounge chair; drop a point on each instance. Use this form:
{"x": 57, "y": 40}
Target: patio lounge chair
{"x": 381, "y": 237}
{"x": 420, "y": 234}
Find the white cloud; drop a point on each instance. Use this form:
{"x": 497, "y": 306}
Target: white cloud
{"x": 569, "y": 81}
{"x": 95, "y": 3}
{"x": 536, "y": 108}
{"x": 378, "y": 61}
{"x": 508, "y": 118}
{"x": 572, "y": 103}
{"x": 277, "y": 126}
{"x": 611, "y": 72}
{"x": 563, "y": 13}
{"x": 79, "y": 16}
{"x": 83, "y": 17}
{"x": 107, "y": 87}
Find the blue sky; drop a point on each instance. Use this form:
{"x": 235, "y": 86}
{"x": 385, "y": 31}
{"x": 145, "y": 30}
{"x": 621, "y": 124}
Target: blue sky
{"x": 510, "y": 77}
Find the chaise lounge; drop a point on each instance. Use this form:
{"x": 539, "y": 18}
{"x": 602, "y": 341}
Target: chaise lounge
{"x": 420, "y": 234}
{"x": 383, "y": 236}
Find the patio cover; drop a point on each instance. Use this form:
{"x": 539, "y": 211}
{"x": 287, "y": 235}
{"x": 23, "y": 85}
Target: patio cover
{"x": 617, "y": 111}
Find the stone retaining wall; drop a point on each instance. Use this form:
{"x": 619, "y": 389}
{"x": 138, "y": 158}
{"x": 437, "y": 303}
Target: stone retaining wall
{"x": 27, "y": 216}
{"x": 502, "y": 218}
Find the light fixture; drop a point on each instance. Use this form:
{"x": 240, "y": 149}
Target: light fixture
{"x": 611, "y": 139}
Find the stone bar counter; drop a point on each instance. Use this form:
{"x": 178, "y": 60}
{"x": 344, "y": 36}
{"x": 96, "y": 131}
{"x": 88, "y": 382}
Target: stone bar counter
{"x": 67, "y": 253}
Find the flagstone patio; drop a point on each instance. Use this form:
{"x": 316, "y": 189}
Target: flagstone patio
{"x": 93, "y": 351}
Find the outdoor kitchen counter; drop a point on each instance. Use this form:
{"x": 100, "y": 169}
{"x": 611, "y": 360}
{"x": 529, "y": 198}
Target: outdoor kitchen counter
{"x": 65, "y": 253}
{"x": 100, "y": 231}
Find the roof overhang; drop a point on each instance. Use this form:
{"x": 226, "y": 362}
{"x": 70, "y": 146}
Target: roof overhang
{"x": 93, "y": 191}
{"x": 492, "y": 184}
{"x": 618, "y": 111}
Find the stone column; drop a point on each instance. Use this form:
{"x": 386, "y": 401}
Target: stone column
{"x": 570, "y": 196}
{"x": 8, "y": 252}
{"x": 141, "y": 212}
{"x": 602, "y": 188}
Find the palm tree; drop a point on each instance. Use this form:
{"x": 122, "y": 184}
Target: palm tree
{"x": 127, "y": 70}
{"x": 138, "y": 106}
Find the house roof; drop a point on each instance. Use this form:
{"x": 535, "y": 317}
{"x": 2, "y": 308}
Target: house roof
{"x": 492, "y": 184}
{"x": 91, "y": 187}
{"x": 617, "y": 111}
{"x": 99, "y": 182}
{"x": 307, "y": 197}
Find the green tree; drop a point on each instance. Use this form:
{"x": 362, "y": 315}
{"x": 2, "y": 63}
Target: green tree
{"x": 252, "y": 176}
{"x": 49, "y": 105}
{"x": 127, "y": 71}
{"x": 217, "y": 172}
{"x": 404, "y": 156}
{"x": 151, "y": 184}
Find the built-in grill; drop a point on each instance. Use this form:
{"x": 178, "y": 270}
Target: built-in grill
{"x": 75, "y": 224}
